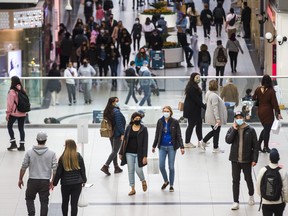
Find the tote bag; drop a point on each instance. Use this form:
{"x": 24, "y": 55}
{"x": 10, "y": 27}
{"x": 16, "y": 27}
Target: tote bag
{"x": 276, "y": 126}
{"x": 153, "y": 165}
{"x": 83, "y": 202}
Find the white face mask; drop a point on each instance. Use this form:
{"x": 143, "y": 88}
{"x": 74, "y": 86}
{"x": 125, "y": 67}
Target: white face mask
{"x": 137, "y": 21}
{"x": 166, "y": 114}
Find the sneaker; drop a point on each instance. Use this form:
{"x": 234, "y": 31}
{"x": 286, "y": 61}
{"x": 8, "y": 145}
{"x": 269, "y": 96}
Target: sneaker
{"x": 105, "y": 169}
{"x": 235, "y": 206}
{"x": 125, "y": 106}
{"x": 217, "y": 150}
{"x": 189, "y": 145}
{"x": 164, "y": 185}
{"x": 251, "y": 200}
{"x": 117, "y": 169}
{"x": 203, "y": 145}
{"x": 171, "y": 189}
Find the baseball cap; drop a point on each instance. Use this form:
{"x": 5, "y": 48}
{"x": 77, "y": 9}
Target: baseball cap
{"x": 274, "y": 156}
{"x": 238, "y": 113}
{"x": 41, "y": 136}
{"x": 145, "y": 62}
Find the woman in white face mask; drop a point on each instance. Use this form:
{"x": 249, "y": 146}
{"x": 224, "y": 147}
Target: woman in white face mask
{"x": 168, "y": 139}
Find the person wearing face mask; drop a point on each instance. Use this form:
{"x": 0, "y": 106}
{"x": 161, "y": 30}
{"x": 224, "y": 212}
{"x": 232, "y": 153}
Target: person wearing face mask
{"x": 86, "y": 70}
{"x": 69, "y": 73}
{"x": 113, "y": 114}
{"x": 111, "y": 23}
{"x": 168, "y": 139}
{"x": 102, "y": 60}
{"x": 244, "y": 153}
{"x": 136, "y": 34}
{"x": 140, "y": 58}
{"x": 112, "y": 56}
{"x": 193, "y": 101}
{"x": 134, "y": 151}
{"x": 125, "y": 44}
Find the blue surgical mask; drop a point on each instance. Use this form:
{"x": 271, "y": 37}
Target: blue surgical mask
{"x": 166, "y": 114}
{"x": 239, "y": 121}
{"x": 117, "y": 104}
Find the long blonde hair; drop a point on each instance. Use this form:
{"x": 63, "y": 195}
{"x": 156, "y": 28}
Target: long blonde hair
{"x": 70, "y": 156}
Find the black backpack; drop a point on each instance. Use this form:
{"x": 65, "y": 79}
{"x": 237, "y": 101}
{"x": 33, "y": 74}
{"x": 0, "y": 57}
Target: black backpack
{"x": 271, "y": 184}
{"x": 232, "y": 21}
{"x": 23, "y": 102}
{"x": 221, "y": 56}
{"x": 130, "y": 72}
{"x": 108, "y": 4}
{"x": 218, "y": 13}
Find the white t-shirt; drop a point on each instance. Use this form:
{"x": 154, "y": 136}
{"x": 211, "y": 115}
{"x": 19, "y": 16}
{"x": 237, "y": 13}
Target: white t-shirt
{"x": 68, "y": 73}
{"x": 230, "y": 17}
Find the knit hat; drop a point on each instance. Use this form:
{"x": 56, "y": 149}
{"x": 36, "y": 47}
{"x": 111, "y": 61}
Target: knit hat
{"x": 274, "y": 156}
{"x": 41, "y": 136}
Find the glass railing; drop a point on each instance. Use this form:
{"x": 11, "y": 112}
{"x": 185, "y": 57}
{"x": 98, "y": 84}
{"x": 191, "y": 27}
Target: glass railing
{"x": 170, "y": 92}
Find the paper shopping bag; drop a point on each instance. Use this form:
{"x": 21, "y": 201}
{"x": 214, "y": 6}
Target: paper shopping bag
{"x": 153, "y": 165}
{"x": 276, "y": 126}
{"x": 83, "y": 202}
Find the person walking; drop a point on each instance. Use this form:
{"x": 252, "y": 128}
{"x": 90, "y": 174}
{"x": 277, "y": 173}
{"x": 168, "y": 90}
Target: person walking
{"x": 125, "y": 44}
{"x": 219, "y": 16}
{"x": 268, "y": 107}
{"x": 140, "y": 57}
{"x": 71, "y": 171}
{"x": 113, "y": 115}
{"x": 215, "y": 115}
{"x": 244, "y": 153}
{"x": 54, "y": 85}
{"x": 131, "y": 83}
{"x": 168, "y": 139}
{"x": 193, "y": 15}
{"x": 230, "y": 93}
{"x": 136, "y": 34}
{"x": 134, "y": 151}
{"x": 42, "y": 164}
{"x": 69, "y": 73}
{"x": 195, "y": 49}
{"x": 233, "y": 47}
{"x": 13, "y": 114}
{"x": 204, "y": 61}
{"x": 206, "y": 18}
{"x": 147, "y": 28}
{"x": 230, "y": 24}
{"x": 86, "y": 70}
{"x": 113, "y": 56}
{"x": 66, "y": 49}
{"x": 193, "y": 101}
{"x": 246, "y": 19}
{"x": 220, "y": 60}
{"x": 273, "y": 207}
{"x": 146, "y": 84}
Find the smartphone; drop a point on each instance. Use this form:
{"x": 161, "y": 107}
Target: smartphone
{"x": 215, "y": 126}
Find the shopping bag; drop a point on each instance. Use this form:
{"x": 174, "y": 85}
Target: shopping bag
{"x": 276, "y": 126}
{"x": 153, "y": 165}
{"x": 180, "y": 106}
{"x": 83, "y": 202}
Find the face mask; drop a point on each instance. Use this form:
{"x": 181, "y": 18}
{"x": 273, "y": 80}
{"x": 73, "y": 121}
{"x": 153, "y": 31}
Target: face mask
{"x": 85, "y": 64}
{"x": 112, "y": 47}
{"x": 239, "y": 121}
{"x": 166, "y": 114}
{"x": 137, "y": 122}
{"x": 102, "y": 47}
{"x": 117, "y": 104}
{"x": 102, "y": 32}
{"x": 137, "y": 21}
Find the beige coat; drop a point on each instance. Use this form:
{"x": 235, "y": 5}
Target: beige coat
{"x": 230, "y": 93}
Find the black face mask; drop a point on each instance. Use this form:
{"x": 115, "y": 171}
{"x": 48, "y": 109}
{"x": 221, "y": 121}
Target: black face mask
{"x": 85, "y": 64}
{"x": 137, "y": 122}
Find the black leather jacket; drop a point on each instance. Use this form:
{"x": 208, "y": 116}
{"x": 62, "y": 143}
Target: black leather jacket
{"x": 175, "y": 133}
{"x": 250, "y": 150}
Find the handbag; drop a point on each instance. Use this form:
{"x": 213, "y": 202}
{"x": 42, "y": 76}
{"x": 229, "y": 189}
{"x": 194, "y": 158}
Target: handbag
{"x": 153, "y": 165}
{"x": 276, "y": 126}
{"x": 83, "y": 202}
{"x": 180, "y": 106}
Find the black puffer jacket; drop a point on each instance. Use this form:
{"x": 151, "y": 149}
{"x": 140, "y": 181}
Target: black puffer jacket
{"x": 250, "y": 144}
{"x": 70, "y": 177}
{"x": 175, "y": 133}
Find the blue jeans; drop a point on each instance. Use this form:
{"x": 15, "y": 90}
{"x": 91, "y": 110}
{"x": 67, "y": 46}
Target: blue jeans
{"x": 204, "y": 72}
{"x": 147, "y": 94}
{"x": 163, "y": 152}
{"x": 132, "y": 163}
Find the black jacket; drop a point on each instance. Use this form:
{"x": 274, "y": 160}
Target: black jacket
{"x": 175, "y": 133}
{"x": 70, "y": 177}
{"x": 142, "y": 141}
{"x": 250, "y": 144}
{"x": 193, "y": 104}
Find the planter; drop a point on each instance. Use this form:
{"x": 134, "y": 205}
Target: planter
{"x": 173, "y": 57}
{"x": 169, "y": 18}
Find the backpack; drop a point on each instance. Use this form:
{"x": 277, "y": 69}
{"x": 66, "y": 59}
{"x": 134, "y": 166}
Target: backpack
{"x": 232, "y": 21}
{"x": 271, "y": 184}
{"x": 130, "y": 72}
{"x": 221, "y": 56}
{"x": 205, "y": 57}
{"x": 218, "y": 13}
{"x": 106, "y": 129}
{"x": 108, "y": 4}
{"x": 23, "y": 102}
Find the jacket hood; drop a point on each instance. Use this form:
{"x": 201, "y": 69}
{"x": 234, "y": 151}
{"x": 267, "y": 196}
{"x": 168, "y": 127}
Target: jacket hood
{"x": 144, "y": 68}
{"x": 40, "y": 149}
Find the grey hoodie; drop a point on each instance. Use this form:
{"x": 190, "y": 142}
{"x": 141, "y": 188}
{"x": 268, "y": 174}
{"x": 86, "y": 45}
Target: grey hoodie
{"x": 41, "y": 162}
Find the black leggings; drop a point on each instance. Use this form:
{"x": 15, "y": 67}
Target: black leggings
{"x": 265, "y": 135}
{"x": 233, "y": 60}
{"x": 136, "y": 40}
{"x": 215, "y": 134}
{"x": 189, "y": 130}
{"x": 73, "y": 191}
{"x": 10, "y": 123}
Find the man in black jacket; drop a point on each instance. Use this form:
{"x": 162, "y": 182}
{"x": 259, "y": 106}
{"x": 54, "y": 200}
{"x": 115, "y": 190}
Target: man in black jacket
{"x": 243, "y": 155}
{"x": 245, "y": 19}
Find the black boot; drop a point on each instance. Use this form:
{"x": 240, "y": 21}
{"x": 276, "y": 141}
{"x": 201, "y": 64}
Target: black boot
{"x": 13, "y": 145}
{"x": 22, "y": 147}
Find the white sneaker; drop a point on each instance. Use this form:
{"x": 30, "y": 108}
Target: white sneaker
{"x": 125, "y": 106}
{"x": 203, "y": 145}
{"x": 235, "y": 206}
{"x": 189, "y": 145}
{"x": 251, "y": 200}
{"x": 217, "y": 150}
